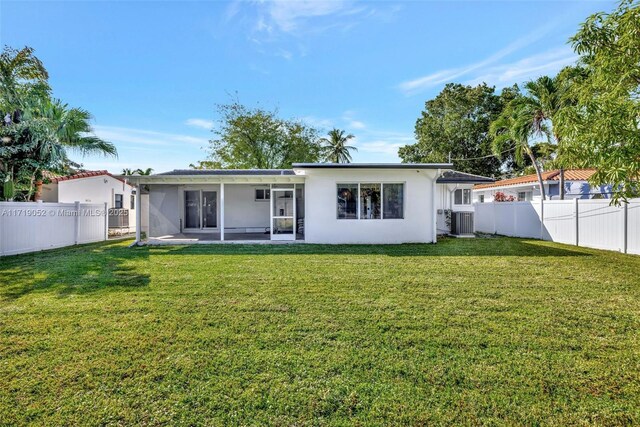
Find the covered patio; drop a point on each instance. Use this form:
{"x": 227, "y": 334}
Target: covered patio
{"x": 214, "y": 206}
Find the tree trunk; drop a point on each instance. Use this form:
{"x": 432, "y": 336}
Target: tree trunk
{"x": 537, "y": 167}
{"x": 38, "y": 194}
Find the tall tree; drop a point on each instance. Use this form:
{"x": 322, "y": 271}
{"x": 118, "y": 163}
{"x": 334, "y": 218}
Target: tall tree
{"x": 602, "y": 129}
{"x": 257, "y": 138}
{"x": 335, "y": 148}
{"x": 22, "y": 78}
{"x": 147, "y": 171}
{"x": 456, "y": 123}
{"x": 513, "y": 130}
{"x": 37, "y": 132}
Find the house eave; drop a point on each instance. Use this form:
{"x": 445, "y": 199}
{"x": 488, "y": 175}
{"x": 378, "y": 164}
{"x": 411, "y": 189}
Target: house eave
{"x": 372, "y": 166}
{"x": 511, "y": 186}
{"x": 204, "y": 180}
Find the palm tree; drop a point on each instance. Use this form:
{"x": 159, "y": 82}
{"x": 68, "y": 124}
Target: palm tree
{"x": 513, "y": 129}
{"x": 127, "y": 171}
{"x": 54, "y": 128}
{"x": 335, "y": 147}
{"x": 22, "y": 78}
{"x": 147, "y": 171}
{"x": 530, "y": 116}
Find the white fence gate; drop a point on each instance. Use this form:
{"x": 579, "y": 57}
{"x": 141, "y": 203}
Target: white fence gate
{"x": 35, "y": 226}
{"x": 589, "y": 223}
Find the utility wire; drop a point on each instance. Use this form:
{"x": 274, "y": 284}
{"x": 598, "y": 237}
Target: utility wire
{"x": 483, "y": 157}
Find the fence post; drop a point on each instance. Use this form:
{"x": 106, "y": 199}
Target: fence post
{"x": 76, "y": 225}
{"x": 106, "y": 221}
{"x": 625, "y": 227}
{"x": 542, "y": 219}
{"x": 1, "y": 228}
{"x": 577, "y": 215}
{"x": 495, "y": 228}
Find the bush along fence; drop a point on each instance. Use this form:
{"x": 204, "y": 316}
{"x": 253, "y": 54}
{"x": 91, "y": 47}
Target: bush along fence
{"x": 35, "y": 226}
{"x": 588, "y": 223}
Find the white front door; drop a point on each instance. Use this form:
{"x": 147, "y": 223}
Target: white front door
{"x": 283, "y": 214}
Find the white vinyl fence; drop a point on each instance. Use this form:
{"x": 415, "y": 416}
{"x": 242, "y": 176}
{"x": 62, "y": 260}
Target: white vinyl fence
{"x": 35, "y": 226}
{"x": 589, "y": 223}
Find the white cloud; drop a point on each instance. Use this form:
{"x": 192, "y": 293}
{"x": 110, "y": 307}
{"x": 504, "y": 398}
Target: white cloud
{"x": 380, "y": 146}
{"x": 356, "y": 124}
{"x": 120, "y": 135}
{"x": 549, "y": 62}
{"x": 200, "y": 123}
{"x": 318, "y": 122}
{"x": 414, "y": 86}
{"x": 351, "y": 122}
{"x": 289, "y": 16}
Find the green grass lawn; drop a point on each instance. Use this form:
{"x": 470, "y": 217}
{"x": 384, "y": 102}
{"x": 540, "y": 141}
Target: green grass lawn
{"x": 468, "y": 331}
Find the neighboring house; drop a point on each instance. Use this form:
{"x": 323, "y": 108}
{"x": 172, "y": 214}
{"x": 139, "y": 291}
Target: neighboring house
{"x": 96, "y": 187}
{"x": 455, "y": 195}
{"x": 313, "y": 202}
{"x": 527, "y": 188}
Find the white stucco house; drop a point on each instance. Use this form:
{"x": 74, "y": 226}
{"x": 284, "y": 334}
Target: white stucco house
{"x": 97, "y": 187}
{"x": 526, "y": 188}
{"x": 312, "y": 202}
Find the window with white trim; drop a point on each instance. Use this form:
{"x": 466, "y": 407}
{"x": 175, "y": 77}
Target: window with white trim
{"x": 525, "y": 196}
{"x": 462, "y": 196}
{"x": 263, "y": 194}
{"x": 118, "y": 201}
{"x": 370, "y": 201}
{"x": 481, "y": 198}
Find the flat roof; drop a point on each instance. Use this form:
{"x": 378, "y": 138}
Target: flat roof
{"x": 372, "y": 165}
{"x": 226, "y": 172}
{"x": 456, "y": 177}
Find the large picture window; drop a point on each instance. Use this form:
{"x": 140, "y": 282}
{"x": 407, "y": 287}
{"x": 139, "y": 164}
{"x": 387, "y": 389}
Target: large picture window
{"x": 370, "y": 201}
{"x": 393, "y": 201}
{"x": 347, "y": 201}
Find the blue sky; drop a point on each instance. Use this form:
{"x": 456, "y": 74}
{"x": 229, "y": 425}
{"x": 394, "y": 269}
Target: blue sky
{"x": 151, "y": 72}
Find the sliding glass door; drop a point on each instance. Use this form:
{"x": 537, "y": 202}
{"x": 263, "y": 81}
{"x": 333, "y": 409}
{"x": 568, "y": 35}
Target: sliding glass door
{"x": 209, "y": 209}
{"x": 200, "y": 209}
{"x": 192, "y": 209}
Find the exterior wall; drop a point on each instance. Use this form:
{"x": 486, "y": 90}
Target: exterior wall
{"x": 573, "y": 190}
{"x": 164, "y": 210}
{"x": 489, "y": 193}
{"x": 95, "y": 189}
{"x": 242, "y": 210}
{"x": 445, "y": 201}
{"x": 50, "y": 193}
{"x": 144, "y": 215}
{"x": 322, "y": 225}
{"x": 580, "y": 190}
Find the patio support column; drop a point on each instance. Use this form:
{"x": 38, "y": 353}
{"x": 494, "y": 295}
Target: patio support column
{"x": 434, "y": 222}
{"x": 138, "y": 212}
{"x": 222, "y": 211}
